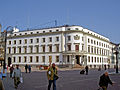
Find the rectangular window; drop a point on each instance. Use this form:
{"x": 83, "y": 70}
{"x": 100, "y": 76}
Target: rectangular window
{"x": 37, "y": 49}
{"x": 88, "y": 58}
{"x": 25, "y": 41}
{"x": 37, "y": 40}
{"x": 25, "y": 49}
{"x": 31, "y": 49}
{"x": 95, "y": 50}
{"x": 19, "y": 59}
{"x": 88, "y": 40}
{"x": 31, "y": 40}
{"x": 57, "y": 48}
{"x": 50, "y": 48}
{"x": 77, "y": 47}
{"x": 57, "y": 58}
{"x": 37, "y": 58}
{"x": 91, "y": 41}
{"x": 43, "y": 48}
{"x": 9, "y": 42}
{"x": 9, "y": 50}
{"x": 95, "y": 59}
{"x": 69, "y": 38}
{"x": 43, "y": 40}
{"x": 20, "y": 41}
{"x": 30, "y": 59}
{"x": 57, "y": 39}
{"x": 14, "y": 41}
{"x": 50, "y": 59}
{"x": 19, "y": 49}
{"x": 69, "y": 47}
{"x": 43, "y": 59}
{"x": 95, "y": 42}
{"x": 92, "y": 49}
{"x": 98, "y": 59}
{"x": 14, "y": 50}
{"x": 14, "y": 59}
{"x": 25, "y": 59}
{"x": 50, "y": 39}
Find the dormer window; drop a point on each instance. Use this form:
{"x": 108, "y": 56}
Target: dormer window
{"x": 43, "y": 31}
{"x": 50, "y": 31}
{"x": 68, "y": 29}
{"x": 37, "y": 32}
{"x": 57, "y": 30}
{"x": 76, "y": 29}
{"x": 20, "y": 34}
{"x": 25, "y": 33}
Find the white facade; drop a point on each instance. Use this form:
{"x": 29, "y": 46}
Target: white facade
{"x": 60, "y": 45}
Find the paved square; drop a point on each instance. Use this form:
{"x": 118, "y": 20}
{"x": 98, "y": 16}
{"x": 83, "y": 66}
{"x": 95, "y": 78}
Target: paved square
{"x": 69, "y": 80}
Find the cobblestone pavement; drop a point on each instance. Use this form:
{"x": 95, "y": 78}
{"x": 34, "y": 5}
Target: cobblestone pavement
{"x": 69, "y": 80}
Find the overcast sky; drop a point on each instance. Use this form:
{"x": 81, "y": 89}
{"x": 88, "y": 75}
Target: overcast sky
{"x": 101, "y": 16}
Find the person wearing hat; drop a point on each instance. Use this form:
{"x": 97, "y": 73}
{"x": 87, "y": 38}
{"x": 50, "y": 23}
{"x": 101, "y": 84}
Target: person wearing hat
{"x": 104, "y": 81}
{"x": 16, "y": 76}
{"x": 52, "y": 76}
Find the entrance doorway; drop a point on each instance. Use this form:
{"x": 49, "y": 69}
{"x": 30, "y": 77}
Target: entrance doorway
{"x": 77, "y": 59}
{"x": 9, "y": 61}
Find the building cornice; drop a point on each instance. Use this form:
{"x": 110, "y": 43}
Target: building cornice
{"x": 58, "y": 32}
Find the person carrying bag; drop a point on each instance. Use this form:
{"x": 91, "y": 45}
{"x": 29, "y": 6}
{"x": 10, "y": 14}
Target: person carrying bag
{"x": 52, "y": 76}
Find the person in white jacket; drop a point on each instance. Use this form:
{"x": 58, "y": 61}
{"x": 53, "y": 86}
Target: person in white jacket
{"x": 16, "y": 76}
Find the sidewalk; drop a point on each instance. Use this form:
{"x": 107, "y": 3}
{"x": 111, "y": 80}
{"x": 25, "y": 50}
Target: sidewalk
{"x": 8, "y": 83}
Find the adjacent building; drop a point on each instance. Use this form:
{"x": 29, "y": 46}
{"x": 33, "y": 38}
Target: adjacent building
{"x": 2, "y": 44}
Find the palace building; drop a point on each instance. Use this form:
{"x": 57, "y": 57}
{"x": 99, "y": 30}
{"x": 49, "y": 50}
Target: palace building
{"x": 63, "y": 45}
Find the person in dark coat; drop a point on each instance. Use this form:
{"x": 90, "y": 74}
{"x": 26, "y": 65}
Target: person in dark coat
{"x": 26, "y": 67}
{"x": 29, "y": 68}
{"x": 86, "y": 69}
{"x": 104, "y": 81}
{"x": 11, "y": 71}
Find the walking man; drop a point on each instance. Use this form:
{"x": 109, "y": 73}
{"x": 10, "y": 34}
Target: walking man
{"x": 11, "y": 71}
{"x": 16, "y": 76}
{"x": 26, "y": 67}
{"x": 86, "y": 69}
{"x": 104, "y": 81}
{"x": 52, "y": 76}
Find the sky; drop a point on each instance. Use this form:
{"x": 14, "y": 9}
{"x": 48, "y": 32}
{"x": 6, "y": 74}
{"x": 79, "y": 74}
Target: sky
{"x": 101, "y": 16}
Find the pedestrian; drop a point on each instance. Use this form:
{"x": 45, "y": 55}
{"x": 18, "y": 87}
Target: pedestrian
{"x": 104, "y": 81}
{"x": 11, "y": 71}
{"x": 105, "y": 67}
{"x": 29, "y": 68}
{"x": 52, "y": 76}
{"x": 86, "y": 69}
{"x": 1, "y": 85}
{"x": 99, "y": 69}
{"x": 26, "y": 67}
{"x": 16, "y": 76}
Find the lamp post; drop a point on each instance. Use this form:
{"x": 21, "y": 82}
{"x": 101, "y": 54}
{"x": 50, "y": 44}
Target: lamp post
{"x": 5, "y": 33}
{"x": 116, "y": 53}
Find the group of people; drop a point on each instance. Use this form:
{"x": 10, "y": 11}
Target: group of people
{"x": 52, "y": 74}
{"x": 27, "y": 67}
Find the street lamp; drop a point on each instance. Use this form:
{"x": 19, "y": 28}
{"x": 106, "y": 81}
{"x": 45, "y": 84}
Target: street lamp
{"x": 5, "y": 32}
{"x": 116, "y": 53}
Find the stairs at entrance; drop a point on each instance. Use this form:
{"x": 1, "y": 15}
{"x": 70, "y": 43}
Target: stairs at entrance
{"x": 78, "y": 66}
